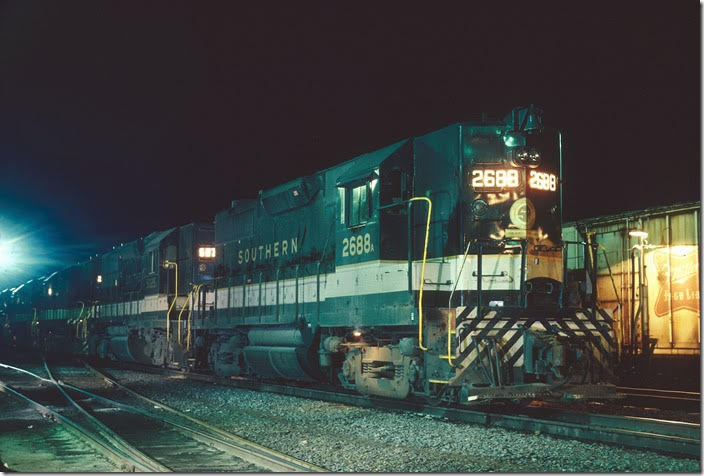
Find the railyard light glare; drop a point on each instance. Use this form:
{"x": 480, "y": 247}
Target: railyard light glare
{"x": 682, "y": 250}
{"x": 5, "y": 255}
{"x": 49, "y": 291}
{"x": 638, "y": 233}
{"x": 27, "y": 249}
{"x": 357, "y": 333}
{"x": 99, "y": 279}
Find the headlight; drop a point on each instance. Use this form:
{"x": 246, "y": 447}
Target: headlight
{"x": 533, "y": 159}
{"x": 527, "y": 157}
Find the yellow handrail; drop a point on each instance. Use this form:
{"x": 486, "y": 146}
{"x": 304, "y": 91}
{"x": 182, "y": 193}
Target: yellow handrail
{"x": 422, "y": 272}
{"x": 178, "y": 325}
{"x": 449, "y": 314}
{"x": 190, "y": 309}
{"x": 168, "y": 313}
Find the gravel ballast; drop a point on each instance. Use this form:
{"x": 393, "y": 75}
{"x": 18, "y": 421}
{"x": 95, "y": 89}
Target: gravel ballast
{"x": 346, "y": 438}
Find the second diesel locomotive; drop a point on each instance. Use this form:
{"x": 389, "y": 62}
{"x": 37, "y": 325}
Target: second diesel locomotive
{"x": 434, "y": 267}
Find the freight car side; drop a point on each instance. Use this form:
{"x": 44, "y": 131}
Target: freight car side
{"x": 671, "y": 260}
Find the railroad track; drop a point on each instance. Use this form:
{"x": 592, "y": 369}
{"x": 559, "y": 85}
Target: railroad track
{"x": 173, "y": 442}
{"x": 670, "y": 437}
{"x": 84, "y": 428}
{"x": 662, "y": 398}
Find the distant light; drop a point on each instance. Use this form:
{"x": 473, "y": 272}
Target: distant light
{"x": 99, "y": 279}
{"x": 49, "y": 291}
{"x": 357, "y": 333}
{"x": 638, "y": 233}
{"x": 6, "y": 258}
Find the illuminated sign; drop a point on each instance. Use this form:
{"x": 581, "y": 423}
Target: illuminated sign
{"x": 493, "y": 179}
{"x": 206, "y": 252}
{"x": 542, "y": 181}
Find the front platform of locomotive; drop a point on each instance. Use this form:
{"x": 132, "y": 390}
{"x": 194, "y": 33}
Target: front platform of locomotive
{"x": 515, "y": 335}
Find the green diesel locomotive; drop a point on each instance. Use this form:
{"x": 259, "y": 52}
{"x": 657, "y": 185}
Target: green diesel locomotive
{"x": 431, "y": 267}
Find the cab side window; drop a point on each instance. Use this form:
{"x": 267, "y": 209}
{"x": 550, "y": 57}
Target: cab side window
{"x": 355, "y": 203}
{"x": 360, "y": 205}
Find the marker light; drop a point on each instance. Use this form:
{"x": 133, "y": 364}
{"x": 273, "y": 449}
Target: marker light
{"x": 49, "y": 291}
{"x": 99, "y": 279}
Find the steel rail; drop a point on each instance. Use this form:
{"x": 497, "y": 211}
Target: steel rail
{"x": 240, "y": 447}
{"x": 660, "y": 393}
{"x": 113, "y": 438}
{"x": 233, "y": 444}
{"x": 677, "y": 438}
{"x": 121, "y": 460}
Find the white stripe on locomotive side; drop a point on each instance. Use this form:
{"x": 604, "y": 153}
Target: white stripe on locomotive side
{"x": 376, "y": 277}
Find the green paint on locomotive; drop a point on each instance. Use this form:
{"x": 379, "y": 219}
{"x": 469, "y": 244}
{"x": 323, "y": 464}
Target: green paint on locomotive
{"x": 320, "y": 277}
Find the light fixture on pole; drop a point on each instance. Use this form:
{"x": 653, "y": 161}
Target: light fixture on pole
{"x": 638, "y": 234}
{"x": 642, "y": 236}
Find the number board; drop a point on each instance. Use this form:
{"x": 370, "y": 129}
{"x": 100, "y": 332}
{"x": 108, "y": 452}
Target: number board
{"x": 505, "y": 179}
{"x": 542, "y": 181}
{"x": 495, "y": 179}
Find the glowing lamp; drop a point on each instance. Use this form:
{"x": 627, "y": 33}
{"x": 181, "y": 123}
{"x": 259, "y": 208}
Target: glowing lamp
{"x": 5, "y": 255}
{"x": 206, "y": 252}
{"x": 638, "y": 233}
{"x": 514, "y": 139}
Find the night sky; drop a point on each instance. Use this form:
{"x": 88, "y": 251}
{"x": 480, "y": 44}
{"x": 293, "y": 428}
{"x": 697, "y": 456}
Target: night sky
{"x": 121, "y": 118}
